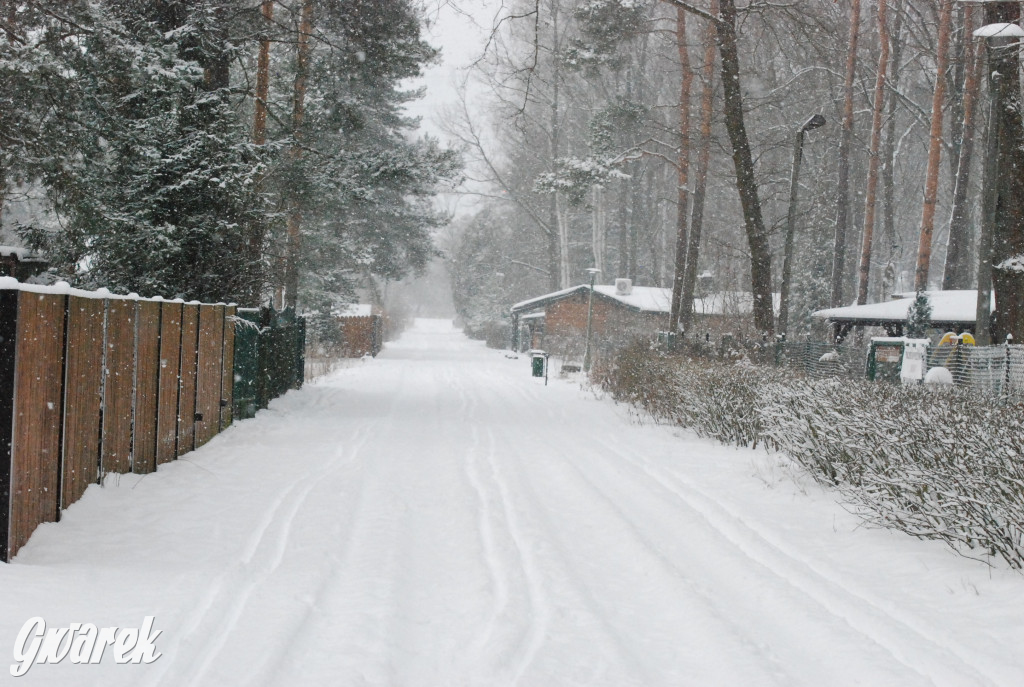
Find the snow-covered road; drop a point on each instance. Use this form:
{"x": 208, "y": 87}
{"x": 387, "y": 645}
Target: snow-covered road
{"x": 438, "y": 517}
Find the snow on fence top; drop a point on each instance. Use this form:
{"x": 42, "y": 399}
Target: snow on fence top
{"x": 948, "y": 308}
{"x": 62, "y": 288}
{"x": 355, "y": 310}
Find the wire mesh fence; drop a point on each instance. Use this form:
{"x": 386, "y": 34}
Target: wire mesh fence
{"x": 816, "y": 359}
{"x": 997, "y": 370}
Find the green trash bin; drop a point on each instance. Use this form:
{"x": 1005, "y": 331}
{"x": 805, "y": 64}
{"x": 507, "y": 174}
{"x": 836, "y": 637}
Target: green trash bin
{"x": 539, "y": 363}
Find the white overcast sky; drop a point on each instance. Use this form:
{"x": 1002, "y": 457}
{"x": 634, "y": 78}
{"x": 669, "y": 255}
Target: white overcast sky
{"x": 461, "y": 35}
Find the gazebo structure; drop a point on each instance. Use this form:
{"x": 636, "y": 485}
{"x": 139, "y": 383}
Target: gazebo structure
{"x": 951, "y": 311}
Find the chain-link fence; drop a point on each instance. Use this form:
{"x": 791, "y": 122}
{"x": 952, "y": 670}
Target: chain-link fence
{"x": 996, "y": 369}
{"x": 816, "y": 359}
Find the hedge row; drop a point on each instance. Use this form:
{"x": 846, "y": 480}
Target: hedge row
{"x": 936, "y": 463}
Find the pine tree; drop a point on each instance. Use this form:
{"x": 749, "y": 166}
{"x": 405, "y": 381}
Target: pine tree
{"x": 919, "y": 317}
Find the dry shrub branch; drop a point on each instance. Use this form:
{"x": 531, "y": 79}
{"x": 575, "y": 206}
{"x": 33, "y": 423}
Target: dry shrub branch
{"x": 934, "y": 463}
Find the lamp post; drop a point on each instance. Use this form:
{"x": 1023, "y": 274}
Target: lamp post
{"x": 787, "y": 263}
{"x": 593, "y": 272}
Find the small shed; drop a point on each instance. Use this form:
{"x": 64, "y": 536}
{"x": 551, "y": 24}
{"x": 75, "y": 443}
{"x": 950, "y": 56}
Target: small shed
{"x": 953, "y": 310}
{"x": 21, "y": 263}
{"x": 621, "y": 312}
{"x": 362, "y": 330}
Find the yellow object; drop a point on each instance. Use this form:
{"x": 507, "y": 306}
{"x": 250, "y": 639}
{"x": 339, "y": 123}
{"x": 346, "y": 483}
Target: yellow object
{"x": 967, "y": 339}
{"x": 949, "y": 339}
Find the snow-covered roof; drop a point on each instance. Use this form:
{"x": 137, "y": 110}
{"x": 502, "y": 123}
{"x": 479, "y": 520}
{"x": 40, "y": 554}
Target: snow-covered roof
{"x": 658, "y": 300}
{"x": 643, "y": 298}
{"x": 355, "y": 310}
{"x": 948, "y": 307}
{"x": 999, "y": 30}
{"x": 646, "y": 298}
{"x": 21, "y": 254}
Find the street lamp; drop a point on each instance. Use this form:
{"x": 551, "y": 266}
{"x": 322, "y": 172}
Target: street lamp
{"x": 593, "y": 272}
{"x": 787, "y": 264}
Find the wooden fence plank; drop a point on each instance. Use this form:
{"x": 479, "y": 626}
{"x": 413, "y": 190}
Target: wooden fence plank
{"x": 147, "y": 369}
{"x": 83, "y": 397}
{"x": 187, "y": 392}
{"x": 38, "y": 383}
{"x": 227, "y": 377}
{"x": 115, "y": 452}
{"x": 169, "y": 382}
{"x": 211, "y": 346}
{"x": 8, "y": 351}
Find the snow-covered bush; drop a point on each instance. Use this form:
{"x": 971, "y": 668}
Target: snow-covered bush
{"x": 932, "y": 462}
{"x": 715, "y": 400}
{"x": 935, "y": 462}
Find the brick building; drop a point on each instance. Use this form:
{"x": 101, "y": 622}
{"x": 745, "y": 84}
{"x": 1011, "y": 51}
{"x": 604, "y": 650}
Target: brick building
{"x": 557, "y": 321}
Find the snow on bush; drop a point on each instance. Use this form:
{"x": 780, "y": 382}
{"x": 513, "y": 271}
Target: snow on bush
{"x": 932, "y": 461}
{"x": 939, "y": 375}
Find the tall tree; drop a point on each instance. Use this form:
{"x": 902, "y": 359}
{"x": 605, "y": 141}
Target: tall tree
{"x": 294, "y": 242}
{"x": 1007, "y": 244}
{"x": 845, "y": 144}
{"x": 683, "y": 193}
{"x": 924, "y": 248}
{"x": 956, "y": 273}
{"x": 703, "y": 164}
{"x": 870, "y": 196}
{"x": 888, "y": 162}
{"x": 746, "y": 180}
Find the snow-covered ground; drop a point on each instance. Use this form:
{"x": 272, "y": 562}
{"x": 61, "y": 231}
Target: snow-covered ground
{"x": 438, "y": 517}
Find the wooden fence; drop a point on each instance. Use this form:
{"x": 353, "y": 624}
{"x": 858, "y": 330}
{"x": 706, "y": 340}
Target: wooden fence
{"x": 92, "y": 384}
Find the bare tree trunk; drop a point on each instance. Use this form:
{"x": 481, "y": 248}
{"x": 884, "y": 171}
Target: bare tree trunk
{"x": 562, "y": 216}
{"x": 559, "y": 277}
{"x": 1008, "y": 225}
{"x": 931, "y": 185}
{"x": 956, "y": 274}
{"x": 683, "y": 188}
{"x": 294, "y": 248}
{"x": 259, "y": 126}
{"x": 746, "y": 182}
{"x": 870, "y": 195}
{"x": 703, "y": 163}
{"x": 623, "y": 262}
{"x": 845, "y": 143}
{"x": 635, "y": 218}
{"x": 888, "y": 171}
{"x": 259, "y": 136}
{"x": 598, "y": 225}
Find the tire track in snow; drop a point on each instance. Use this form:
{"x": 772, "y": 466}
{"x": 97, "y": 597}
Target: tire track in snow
{"x": 494, "y": 524}
{"x": 618, "y": 643}
{"x": 498, "y": 579}
{"x": 269, "y": 670}
{"x": 262, "y": 556}
{"x": 857, "y": 610}
{"x": 539, "y": 609}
